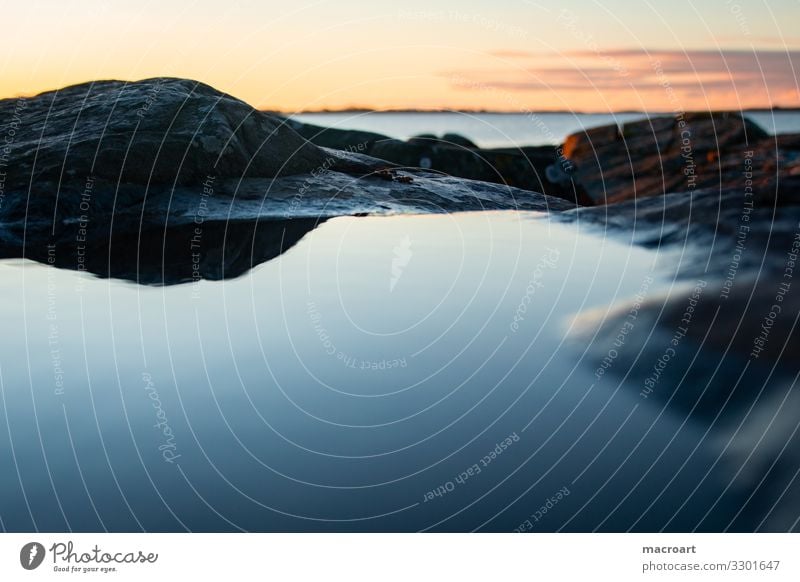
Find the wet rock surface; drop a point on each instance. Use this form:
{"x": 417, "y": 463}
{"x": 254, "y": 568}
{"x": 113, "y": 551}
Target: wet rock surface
{"x": 602, "y": 165}
{"x": 537, "y": 168}
{"x": 95, "y": 166}
{"x": 101, "y": 162}
{"x": 687, "y": 152}
{"x": 157, "y": 131}
{"x": 743, "y": 248}
{"x": 711, "y": 334}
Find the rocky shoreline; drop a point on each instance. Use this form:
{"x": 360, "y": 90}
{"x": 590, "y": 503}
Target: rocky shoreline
{"x": 90, "y": 171}
{"x": 603, "y": 165}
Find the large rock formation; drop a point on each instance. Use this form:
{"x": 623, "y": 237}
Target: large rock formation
{"x": 537, "y": 168}
{"x": 744, "y": 247}
{"x": 90, "y": 169}
{"x": 712, "y": 335}
{"x": 687, "y": 152}
{"x": 158, "y": 131}
{"x": 101, "y": 164}
{"x": 601, "y": 165}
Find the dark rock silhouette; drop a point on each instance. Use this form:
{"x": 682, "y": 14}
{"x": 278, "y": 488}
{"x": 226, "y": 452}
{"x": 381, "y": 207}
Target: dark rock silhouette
{"x": 537, "y": 168}
{"x": 602, "y": 165}
{"x": 122, "y": 172}
{"x": 100, "y": 165}
{"x": 158, "y": 131}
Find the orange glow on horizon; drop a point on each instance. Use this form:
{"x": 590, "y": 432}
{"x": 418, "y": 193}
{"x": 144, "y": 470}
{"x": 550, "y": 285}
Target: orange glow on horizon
{"x": 325, "y": 55}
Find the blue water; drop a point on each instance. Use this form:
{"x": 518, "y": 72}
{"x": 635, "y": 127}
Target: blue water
{"x": 353, "y": 384}
{"x": 508, "y": 129}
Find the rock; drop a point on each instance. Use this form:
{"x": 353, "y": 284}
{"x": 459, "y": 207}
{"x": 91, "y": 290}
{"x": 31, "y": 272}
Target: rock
{"x": 158, "y": 131}
{"x": 606, "y": 164}
{"x": 665, "y": 154}
{"x": 423, "y": 139}
{"x": 711, "y": 335}
{"x": 457, "y": 156}
{"x": 96, "y": 170}
{"x": 458, "y": 140}
{"x": 448, "y": 139}
{"x": 740, "y": 247}
{"x": 340, "y": 139}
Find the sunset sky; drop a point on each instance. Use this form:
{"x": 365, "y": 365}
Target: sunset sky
{"x": 506, "y": 55}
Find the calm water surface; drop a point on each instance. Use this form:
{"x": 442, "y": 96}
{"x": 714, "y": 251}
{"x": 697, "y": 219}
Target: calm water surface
{"x": 490, "y": 130}
{"x": 395, "y": 373}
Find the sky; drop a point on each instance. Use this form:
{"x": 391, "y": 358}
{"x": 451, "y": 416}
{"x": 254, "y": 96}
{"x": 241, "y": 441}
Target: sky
{"x": 509, "y": 55}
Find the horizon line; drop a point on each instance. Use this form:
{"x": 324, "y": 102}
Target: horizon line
{"x": 774, "y": 108}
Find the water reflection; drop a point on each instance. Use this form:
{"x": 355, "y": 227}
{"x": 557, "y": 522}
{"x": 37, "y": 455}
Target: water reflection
{"x": 170, "y": 254}
{"x": 396, "y": 373}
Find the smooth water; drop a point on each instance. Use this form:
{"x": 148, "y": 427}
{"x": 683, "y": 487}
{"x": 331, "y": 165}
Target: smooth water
{"x": 386, "y": 373}
{"x": 494, "y": 130}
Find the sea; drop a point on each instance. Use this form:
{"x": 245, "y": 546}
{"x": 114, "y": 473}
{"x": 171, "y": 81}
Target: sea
{"x": 495, "y": 130}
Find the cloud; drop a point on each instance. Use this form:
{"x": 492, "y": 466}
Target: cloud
{"x": 724, "y": 78}
{"x": 512, "y": 54}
